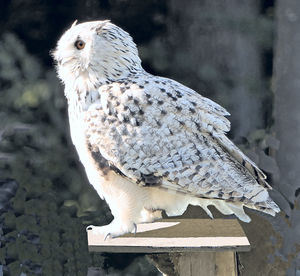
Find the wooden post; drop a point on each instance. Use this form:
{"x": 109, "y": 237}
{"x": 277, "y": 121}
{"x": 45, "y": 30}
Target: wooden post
{"x": 206, "y": 263}
{"x": 194, "y": 246}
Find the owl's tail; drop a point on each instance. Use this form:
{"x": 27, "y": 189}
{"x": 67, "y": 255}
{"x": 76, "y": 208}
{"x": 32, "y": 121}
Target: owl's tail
{"x": 236, "y": 208}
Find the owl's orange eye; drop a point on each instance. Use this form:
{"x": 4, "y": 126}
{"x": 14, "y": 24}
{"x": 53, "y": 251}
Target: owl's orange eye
{"x": 79, "y": 44}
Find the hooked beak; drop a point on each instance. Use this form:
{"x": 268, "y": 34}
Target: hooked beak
{"x": 59, "y": 59}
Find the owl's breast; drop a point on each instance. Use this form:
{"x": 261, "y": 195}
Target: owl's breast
{"x": 78, "y": 131}
{"x": 96, "y": 167}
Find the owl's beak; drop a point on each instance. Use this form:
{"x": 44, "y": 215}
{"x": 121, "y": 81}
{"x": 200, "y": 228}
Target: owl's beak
{"x": 59, "y": 61}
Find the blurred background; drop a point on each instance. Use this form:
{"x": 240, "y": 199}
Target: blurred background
{"x": 243, "y": 54}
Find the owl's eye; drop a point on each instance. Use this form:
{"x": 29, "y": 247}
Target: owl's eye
{"x": 79, "y": 44}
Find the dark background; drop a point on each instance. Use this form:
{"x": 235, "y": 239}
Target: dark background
{"x": 243, "y": 54}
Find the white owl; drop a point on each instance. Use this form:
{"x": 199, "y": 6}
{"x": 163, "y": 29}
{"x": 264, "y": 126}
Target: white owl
{"x": 149, "y": 143}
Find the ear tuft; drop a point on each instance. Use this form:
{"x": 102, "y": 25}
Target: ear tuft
{"x": 74, "y": 23}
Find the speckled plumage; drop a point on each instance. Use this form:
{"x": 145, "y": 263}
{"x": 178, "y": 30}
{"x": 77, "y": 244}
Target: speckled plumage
{"x": 149, "y": 143}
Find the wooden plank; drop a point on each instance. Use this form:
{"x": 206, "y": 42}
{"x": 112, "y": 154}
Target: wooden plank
{"x": 226, "y": 263}
{"x": 176, "y": 235}
{"x": 196, "y": 263}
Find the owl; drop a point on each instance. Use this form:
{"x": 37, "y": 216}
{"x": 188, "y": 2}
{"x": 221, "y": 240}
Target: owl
{"x": 149, "y": 143}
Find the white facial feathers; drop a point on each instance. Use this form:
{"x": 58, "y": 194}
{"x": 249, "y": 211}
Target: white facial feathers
{"x": 97, "y": 51}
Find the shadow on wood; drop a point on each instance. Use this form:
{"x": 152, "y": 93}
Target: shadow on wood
{"x": 182, "y": 246}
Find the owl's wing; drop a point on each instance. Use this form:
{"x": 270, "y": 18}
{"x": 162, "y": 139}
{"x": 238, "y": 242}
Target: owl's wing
{"x": 157, "y": 132}
{"x": 219, "y": 130}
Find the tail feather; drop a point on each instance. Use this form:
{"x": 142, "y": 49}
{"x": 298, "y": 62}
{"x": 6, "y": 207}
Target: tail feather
{"x": 245, "y": 161}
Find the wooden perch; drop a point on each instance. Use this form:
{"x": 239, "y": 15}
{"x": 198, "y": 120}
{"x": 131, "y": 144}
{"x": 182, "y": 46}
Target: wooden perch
{"x": 196, "y": 246}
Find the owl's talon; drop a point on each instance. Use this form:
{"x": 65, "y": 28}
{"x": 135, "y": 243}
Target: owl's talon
{"x": 107, "y": 236}
{"x": 90, "y": 227}
{"x": 135, "y": 228}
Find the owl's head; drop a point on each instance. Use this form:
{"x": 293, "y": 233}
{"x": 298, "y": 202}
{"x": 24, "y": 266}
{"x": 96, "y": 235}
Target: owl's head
{"x": 95, "y": 52}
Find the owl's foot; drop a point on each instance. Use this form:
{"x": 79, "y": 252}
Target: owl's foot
{"x": 112, "y": 230}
